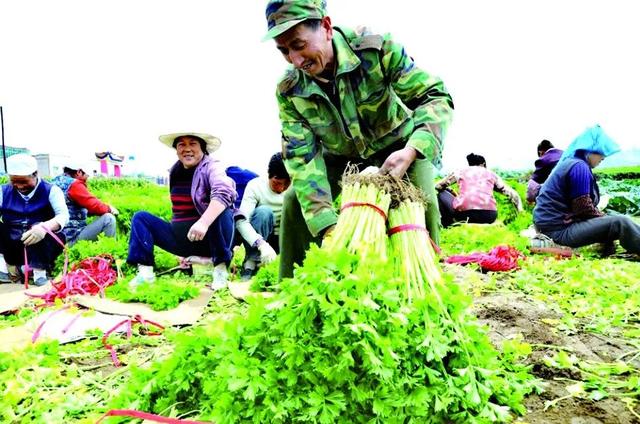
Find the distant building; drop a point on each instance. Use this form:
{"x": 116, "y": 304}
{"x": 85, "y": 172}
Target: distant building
{"x": 111, "y": 164}
{"x": 50, "y": 165}
{"x": 10, "y": 151}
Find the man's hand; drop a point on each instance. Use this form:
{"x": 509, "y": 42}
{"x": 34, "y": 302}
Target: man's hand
{"x": 399, "y": 161}
{"x": 197, "y": 231}
{"x": 34, "y": 235}
{"x": 267, "y": 254}
{"x": 113, "y": 210}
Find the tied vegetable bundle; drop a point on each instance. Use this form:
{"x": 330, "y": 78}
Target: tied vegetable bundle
{"x": 361, "y": 226}
{"x": 413, "y": 251}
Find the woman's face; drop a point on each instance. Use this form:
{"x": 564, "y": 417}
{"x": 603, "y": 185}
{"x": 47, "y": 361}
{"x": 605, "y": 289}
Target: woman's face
{"x": 594, "y": 159}
{"x": 189, "y": 151}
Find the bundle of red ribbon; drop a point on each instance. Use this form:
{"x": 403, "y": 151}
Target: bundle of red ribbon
{"x": 500, "y": 258}
{"x": 89, "y": 276}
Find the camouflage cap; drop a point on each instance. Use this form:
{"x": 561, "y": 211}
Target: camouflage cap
{"x": 283, "y": 15}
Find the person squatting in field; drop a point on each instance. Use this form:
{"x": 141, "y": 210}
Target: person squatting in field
{"x": 202, "y": 197}
{"x": 31, "y": 208}
{"x": 566, "y": 208}
{"x": 349, "y": 97}
{"x": 474, "y": 202}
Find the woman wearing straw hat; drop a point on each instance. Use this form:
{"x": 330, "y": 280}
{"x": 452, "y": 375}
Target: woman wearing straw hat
{"x": 201, "y": 224}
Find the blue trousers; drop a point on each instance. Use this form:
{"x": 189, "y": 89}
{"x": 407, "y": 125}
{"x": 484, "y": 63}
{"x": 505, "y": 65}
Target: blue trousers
{"x": 41, "y": 255}
{"x": 148, "y": 230}
{"x": 263, "y": 222}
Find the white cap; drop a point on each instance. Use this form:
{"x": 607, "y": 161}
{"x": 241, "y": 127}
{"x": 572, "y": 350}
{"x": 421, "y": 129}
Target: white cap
{"x": 21, "y": 165}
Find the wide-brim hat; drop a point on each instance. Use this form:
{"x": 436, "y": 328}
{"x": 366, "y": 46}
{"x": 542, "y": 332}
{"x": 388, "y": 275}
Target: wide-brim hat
{"x": 212, "y": 142}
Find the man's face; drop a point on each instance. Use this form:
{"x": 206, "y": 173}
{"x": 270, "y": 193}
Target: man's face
{"x": 189, "y": 151}
{"x": 279, "y": 185}
{"x": 307, "y": 49}
{"x": 24, "y": 184}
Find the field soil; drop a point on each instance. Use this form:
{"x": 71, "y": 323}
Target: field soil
{"x": 510, "y": 313}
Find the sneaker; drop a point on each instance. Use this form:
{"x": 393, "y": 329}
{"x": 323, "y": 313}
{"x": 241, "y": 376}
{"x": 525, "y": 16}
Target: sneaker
{"x": 247, "y": 274}
{"x": 40, "y": 281}
{"x": 13, "y": 276}
{"x": 139, "y": 279}
{"x": 220, "y": 279}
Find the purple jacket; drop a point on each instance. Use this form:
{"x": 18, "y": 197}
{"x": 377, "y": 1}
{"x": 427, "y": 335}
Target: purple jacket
{"x": 210, "y": 182}
{"x": 545, "y": 164}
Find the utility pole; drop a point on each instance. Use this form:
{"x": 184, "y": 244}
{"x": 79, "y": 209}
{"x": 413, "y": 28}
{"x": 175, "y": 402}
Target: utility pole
{"x": 4, "y": 153}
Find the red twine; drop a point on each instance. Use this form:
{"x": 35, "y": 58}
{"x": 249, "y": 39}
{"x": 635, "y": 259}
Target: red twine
{"x": 500, "y": 258}
{"x": 90, "y": 276}
{"x": 137, "y": 319}
{"x": 370, "y": 205}
{"x": 146, "y": 416}
{"x": 414, "y": 227}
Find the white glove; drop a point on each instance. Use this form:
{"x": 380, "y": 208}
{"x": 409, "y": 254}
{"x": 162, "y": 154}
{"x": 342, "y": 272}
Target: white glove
{"x": 34, "y": 235}
{"x": 604, "y": 201}
{"x": 370, "y": 170}
{"x": 267, "y": 254}
{"x": 113, "y": 210}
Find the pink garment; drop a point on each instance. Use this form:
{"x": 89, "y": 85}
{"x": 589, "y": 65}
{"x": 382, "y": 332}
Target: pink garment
{"x": 476, "y": 185}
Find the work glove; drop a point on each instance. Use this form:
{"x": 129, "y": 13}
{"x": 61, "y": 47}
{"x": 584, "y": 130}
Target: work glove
{"x": 113, "y": 210}
{"x": 34, "y": 235}
{"x": 267, "y": 254}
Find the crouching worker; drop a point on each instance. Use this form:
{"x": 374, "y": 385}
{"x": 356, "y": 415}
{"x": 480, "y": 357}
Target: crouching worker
{"x": 80, "y": 202}
{"x": 30, "y": 208}
{"x": 566, "y": 208}
{"x": 475, "y": 202}
{"x": 202, "y": 197}
{"x": 261, "y": 208}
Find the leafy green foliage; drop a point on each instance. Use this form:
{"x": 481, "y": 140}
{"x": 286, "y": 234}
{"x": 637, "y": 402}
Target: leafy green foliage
{"x": 164, "y": 293}
{"x": 266, "y": 279}
{"x": 130, "y": 195}
{"x": 469, "y": 238}
{"x": 338, "y": 344}
{"x": 10, "y": 319}
{"x": 602, "y": 299}
{"x": 625, "y": 195}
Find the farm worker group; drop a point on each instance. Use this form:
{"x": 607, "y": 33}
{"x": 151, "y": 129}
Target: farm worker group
{"x": 348, "y": 96}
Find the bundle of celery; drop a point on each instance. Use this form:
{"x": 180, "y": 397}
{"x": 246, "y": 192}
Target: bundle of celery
{"x": 412, "y": 249}
{"x": 361, "y": 226}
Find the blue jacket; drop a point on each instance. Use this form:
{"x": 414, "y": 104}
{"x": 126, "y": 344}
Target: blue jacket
{"x": 553, "y": 205}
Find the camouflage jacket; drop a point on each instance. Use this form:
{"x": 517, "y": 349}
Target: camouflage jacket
{"x": 384, "y": 98}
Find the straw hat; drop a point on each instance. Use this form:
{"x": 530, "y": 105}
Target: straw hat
{"x": 212, "y": 142}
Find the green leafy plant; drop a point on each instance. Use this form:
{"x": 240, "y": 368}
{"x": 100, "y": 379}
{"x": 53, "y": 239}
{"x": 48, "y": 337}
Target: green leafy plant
{"x": 266, "y": 279}
{"x": 164, "y": 293}
{"x": 338, "y": 344}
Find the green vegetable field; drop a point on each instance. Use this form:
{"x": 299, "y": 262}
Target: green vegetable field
{"x": 554, "y": 341}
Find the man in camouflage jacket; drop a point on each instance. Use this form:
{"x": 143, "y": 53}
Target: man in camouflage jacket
{"x": 349, "y": 97}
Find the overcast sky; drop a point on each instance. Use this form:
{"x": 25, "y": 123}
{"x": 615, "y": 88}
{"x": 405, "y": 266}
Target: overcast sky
{"x": 84, "y": 76}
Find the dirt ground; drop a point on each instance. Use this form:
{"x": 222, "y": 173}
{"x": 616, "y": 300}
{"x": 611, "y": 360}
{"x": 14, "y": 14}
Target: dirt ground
{"x": 508, "y": 314}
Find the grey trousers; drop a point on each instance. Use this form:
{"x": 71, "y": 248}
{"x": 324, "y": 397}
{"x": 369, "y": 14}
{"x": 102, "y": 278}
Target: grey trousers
{"x": 605, "y": 229}
{"x": 103, "y": 224}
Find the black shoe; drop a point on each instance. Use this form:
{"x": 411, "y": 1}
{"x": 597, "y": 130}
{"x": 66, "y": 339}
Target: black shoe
{"x": 247, "y": 273}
